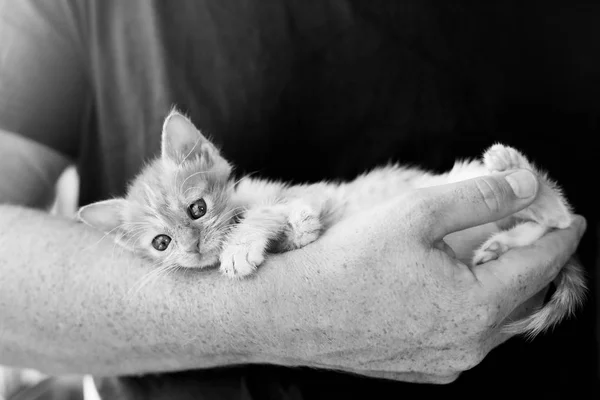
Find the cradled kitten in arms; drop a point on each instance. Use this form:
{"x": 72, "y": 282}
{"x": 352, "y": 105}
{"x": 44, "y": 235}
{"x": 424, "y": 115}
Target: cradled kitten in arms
{"x": 185, "y": 209}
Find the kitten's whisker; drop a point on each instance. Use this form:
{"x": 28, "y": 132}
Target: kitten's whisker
{"x": 135, "y": 238}
{"x": 190, "y": 176}
{"x": 159, "y": 268}
{"x": 191, "y": 188}
{"x": 245, "y": 177}
{"x": 235, "y": 210}
{"x": 166, "y": 269}
{"x": 224, "y": 218}
{"x": 190, "y": 152}
{"x": 91, "y": 246}
{"x": 104, "y": 236}
{"x": 155, "y": 271}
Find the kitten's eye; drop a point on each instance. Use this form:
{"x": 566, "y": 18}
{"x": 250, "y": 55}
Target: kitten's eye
{"x": 161, "y": 242}
{"x": 197, "y": 209}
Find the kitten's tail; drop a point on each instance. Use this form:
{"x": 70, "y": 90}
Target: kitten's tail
{"x": 569, "y": 295}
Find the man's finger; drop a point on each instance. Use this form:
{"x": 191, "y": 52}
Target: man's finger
{"x": 522, "y": 272}
{"x": 461, "y": 205}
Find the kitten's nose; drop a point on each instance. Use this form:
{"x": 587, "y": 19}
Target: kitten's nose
{"x": 194, "y": 247}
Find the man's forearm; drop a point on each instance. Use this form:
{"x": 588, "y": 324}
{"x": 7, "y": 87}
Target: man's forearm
{"x": 69, "y": 303}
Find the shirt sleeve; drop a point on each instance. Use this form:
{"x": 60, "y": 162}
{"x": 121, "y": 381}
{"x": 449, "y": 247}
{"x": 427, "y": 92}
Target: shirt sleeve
{"x": 43, "y": 88}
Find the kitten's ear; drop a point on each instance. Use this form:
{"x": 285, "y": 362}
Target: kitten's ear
{"x": 181, "y": 140}
{"x": 106, "y": 216}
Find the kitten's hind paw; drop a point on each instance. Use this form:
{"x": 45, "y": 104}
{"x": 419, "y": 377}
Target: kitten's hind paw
{"x": 520, "y": 235}
{"x": 500, "y": 158}
{"x": 490, "y": 250}
{"x": 240, "y": 260}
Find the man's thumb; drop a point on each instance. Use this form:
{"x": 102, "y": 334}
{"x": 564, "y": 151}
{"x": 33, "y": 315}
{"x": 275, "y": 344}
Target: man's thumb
{"x": 477, "y": 201}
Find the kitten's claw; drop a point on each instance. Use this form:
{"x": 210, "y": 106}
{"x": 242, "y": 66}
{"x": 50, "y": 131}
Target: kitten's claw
{"x": 483, "y": 256}
{"x": 500, "y": 158}
{"x": 240, "y": 260}
{"x": 489, "y": 251}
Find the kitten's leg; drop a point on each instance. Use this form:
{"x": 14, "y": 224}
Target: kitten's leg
{"x": 248, "y": 241}
{"x": 548, "y": 210}
{"x": 521, "y": 235}
{"x": 303, "y": 226}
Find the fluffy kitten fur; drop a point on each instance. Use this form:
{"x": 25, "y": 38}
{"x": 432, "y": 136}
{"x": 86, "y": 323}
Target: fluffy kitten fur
{"x": 241, "y": 221}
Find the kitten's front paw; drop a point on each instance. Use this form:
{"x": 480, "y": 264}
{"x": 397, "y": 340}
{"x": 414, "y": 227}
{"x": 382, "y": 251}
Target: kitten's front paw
{"x": 240, "y": 260}
{"x": 304, "y": 227}
{"x": 500, "y": 158}
{"x": 490, "y": 250}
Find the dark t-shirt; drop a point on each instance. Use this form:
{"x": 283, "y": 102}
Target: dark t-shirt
{"x": 308, "y": 90}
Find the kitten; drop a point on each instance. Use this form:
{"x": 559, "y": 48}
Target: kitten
{"x": 185, "y": 209}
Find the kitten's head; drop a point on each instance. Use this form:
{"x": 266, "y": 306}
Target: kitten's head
{"x": 177, "y": 210}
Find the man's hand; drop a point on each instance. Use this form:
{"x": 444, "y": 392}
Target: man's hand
{"x": 389, "y": 298}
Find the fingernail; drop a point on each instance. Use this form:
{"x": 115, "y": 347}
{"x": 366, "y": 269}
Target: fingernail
{"x": 523, "y": 183}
